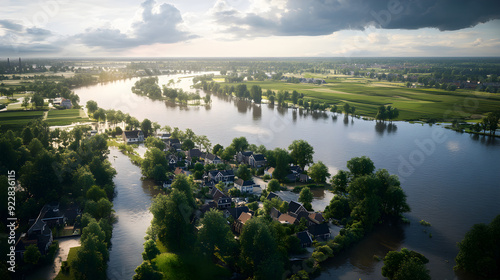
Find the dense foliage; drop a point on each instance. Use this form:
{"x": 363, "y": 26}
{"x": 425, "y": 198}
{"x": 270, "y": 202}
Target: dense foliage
{"x": 480, "y": 250}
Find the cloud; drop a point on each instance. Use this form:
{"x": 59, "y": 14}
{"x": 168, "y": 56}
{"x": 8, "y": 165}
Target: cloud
{"x": 159, "y": 25}
{"x": 17, "y": 39}
{"x": 322, "y": 17}
{"x": 10, "y": 25}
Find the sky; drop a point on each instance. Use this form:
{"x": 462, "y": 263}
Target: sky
{"x": 250, "y": 28}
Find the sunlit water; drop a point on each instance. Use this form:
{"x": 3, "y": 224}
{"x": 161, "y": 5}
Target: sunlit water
{"x": 451, "y": 179}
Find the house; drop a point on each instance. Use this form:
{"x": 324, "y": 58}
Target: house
{"x": 287, "y": 219}
{"x": 221, "y": 200}
{"x": 269, "y": 171}
{"x": 51, "y": 215}
{"x": 272, "y": 195}
{"x": 63, "y": 102}
{"x": 243, "y": 157}
{"x": 304, "y": 178}
{"x": 133, "y": 136}
{"x": 240, "y": 222}
{"x": 296, "y": 207}
{"x": 164, "y": 136}
{"x": 226, "y": 176}
{"x": 236, "y": 212}
{"x": 193, "y": 154}
{"x": 207, "y": 206}
{"x": 291, "y": 177}
{"x": 295, "y": 169}
{"x": 321, "y": 231}
{"x": 179, "y": 170}
{"x": 316, "y": 218}
{"x": 244, "y": 186}
{"x": 212, "y": 159}
{"x": 274, "y": 214}
{"x": 172, "y": 143}
{"x": 257, "y": 160}
{"x": 172, "y": 160}
{"x": 305, "y": 239}
{"x": 39, "y": 234}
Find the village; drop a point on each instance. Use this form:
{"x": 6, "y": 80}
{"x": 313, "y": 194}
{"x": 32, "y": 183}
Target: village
{"x": 241, "y": 199}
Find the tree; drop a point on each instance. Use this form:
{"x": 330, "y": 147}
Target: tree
{"x": 26, "y": 103}
{"x": 273, "y": 186}
{"x": 153, "y": 157}
{"x": 318, "y": 172}
{"x": 240, "y": 144}
{"x": 92, "y": 106}
{"x": 280, "y": 159}
{"x": 32, "y": 254}
{"x": 215, "y": 235}
{"x": 146, "y": 271}
{"x": 259, "y": 251}
{"x": 100, "y": 115}
{"x": 256, "y": 93}
{"x": 228, "y": 153}
{"x": 347, "y": 109}
{"x": 301, "y": 153}
{"x": 360, "y": 166}
{"x": 306, "y": 197}
{"x": 479, "y": 250}
{"x": 150, "y": 250}
{"x": 147, "y": 127}
{"x": 152, "y": 141}
{"x": 405, "y": 265}
{"x": 37, "y": 99}
{"x": 187, "y": 144}
{"x": 95, "y": 193}
{"x": 243, "y": 172}
{"x": 171, "y": 217}
{"x": 218, "y": 149}
{"x": 295, "y": 97}
{"x": 185, "y": 185}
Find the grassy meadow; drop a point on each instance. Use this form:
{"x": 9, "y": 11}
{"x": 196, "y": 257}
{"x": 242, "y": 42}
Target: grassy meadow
{"x": 71, "y": 257}
{"x": 17, "y": 119}
{"x": 66, "y": 117}
{"x": 413, "y": 103}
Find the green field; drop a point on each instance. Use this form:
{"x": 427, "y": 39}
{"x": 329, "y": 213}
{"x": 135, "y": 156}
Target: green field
{"x": 413, "y": 103}
{"x": 15, "y": 120}
{"x": 71, "y": 257}
{"x": 65, "y": 117}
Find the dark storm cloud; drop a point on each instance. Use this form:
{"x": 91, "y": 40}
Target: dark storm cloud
{"x": 321, "y": 17}
{"x": 160, "y": 27}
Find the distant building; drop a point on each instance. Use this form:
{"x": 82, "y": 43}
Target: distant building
{"x": 133, "y": 136}
{"x": 244, "y": 186}
{"x": 63, "y": 102}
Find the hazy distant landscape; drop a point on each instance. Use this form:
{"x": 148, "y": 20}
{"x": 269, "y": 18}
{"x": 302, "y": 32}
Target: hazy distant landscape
{"x": 250, "y": 140}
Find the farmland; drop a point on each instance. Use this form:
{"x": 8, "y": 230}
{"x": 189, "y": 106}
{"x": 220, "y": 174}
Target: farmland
{"x": 414, "y": 103}
{"x": 17, "y": 119}
{"x": 65, "y": 117}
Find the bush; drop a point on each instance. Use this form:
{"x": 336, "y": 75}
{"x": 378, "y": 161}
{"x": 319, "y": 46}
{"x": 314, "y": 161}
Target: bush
{"x": 319, "y": 256}
{"x": 65, "y": 267}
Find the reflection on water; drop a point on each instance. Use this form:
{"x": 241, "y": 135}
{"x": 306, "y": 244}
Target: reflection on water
{"x": 382, "y": 127}
{"x": 131, "y": 205}
{"x": 359, "y": 260}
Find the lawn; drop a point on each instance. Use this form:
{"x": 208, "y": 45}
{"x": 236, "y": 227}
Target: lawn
{"x": 413, "y": 103}
{"x": 65, "y": 117}
{"x": 188, "y": 266}
{"x": 15, "y": 120}
{"x": 71, "y": 256}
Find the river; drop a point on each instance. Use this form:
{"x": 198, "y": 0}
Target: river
{"x": 451, "y": 179}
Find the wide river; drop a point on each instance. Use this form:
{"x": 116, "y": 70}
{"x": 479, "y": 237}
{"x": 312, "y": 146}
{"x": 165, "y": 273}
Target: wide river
{"x": 452, "y": 180}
